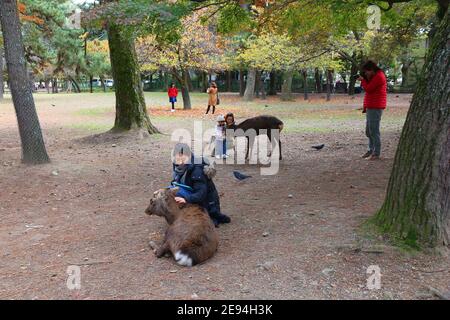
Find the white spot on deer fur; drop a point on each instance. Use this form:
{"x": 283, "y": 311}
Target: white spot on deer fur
{"x": 183, "y": 259}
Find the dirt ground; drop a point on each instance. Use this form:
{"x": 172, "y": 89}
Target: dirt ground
{"x": 294, "y": 235}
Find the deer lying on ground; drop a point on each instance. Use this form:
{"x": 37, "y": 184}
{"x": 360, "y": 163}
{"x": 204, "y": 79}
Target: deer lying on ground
{"x": 258, "y": 124}
{"x": 191, "y": 236}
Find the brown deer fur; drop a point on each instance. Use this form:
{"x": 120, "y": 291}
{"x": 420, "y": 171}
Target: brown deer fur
{"x": 191, "y": 236}
{"x": 260, "y": 124}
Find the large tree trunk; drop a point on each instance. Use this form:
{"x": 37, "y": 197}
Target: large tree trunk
{"x": 68, "y": 86}
{"x": 131, "y": 112}
{"x": 91, "y": 79}
{"x": 33, "y": 147}
{"x": 241, "y": 83}
{"x": 103, "y": 84}
{"x": 204, "y": 81}
{"x": 286, "y": 88}
{"x": 55, "y": 85}
{"x": 229, "y": 73}
{"x": 305, "y": 84}
{"x": 257, "y": 83}
{"x": 2, "y": 85}
{"x": 353, "y": 77}
{"x": 318, "y": 79}
{"x": 417, "y": 204}
{"x": 75, "y": 83}
{"x": 329, "y": 83}
{"x": 249, "y": 93}
{"x": 405, "y": 71}
{"x": 185, "y": 90}
{"x": 272, "y": 85}
{"x": 188, "y": 80}
{"x": 262, "y": 86}
{"x": 47, "y": 85}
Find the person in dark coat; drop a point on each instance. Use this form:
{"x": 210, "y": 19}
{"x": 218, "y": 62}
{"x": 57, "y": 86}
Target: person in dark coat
{"x": 194, "y": 177}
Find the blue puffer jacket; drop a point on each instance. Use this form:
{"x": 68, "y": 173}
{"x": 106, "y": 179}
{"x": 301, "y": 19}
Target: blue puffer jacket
{"x": 204, "y": 191}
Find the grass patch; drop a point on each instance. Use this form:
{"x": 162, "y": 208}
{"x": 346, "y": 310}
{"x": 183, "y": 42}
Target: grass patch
{"x": 372, "y": 231}
{"x": 293, "y": 125}
{"x": 91, "y": 127}
{"x": 96, "y": 112}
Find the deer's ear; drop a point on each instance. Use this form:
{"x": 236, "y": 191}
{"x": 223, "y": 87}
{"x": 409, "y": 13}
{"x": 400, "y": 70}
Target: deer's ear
{"x": 158, "y": 194}
{"x": 174, "y": 191}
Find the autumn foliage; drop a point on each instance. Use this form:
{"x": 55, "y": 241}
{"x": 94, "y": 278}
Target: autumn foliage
{"x": 25, "y": 17}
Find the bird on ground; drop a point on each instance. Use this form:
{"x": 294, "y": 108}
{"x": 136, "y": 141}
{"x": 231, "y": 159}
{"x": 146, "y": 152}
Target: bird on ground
{"x": 240, "y": 176}
{"x": 318, "y": 147}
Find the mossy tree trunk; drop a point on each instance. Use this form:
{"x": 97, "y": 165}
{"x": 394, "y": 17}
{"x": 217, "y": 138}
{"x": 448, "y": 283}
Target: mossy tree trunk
{"x": 33, "y": 147}
{"x": 416, "y": 209}
{"x": 131, "y": 112}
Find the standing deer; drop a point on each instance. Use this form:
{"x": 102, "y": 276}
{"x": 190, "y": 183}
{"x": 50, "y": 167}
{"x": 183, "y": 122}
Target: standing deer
{"x": 260, "y": 123}
{"x": 191, "y": 236}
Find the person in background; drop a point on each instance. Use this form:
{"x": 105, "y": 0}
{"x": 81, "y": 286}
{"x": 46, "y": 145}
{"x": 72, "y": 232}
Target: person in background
{"x": 230, "y": 124}
{"x": 229, "y": 121}
{"x": 195, "y": 181}
{"x": 221, "y": 143}
{"x": 374, "y": 83}
{"x": 173, "y": 93}
{"x": 212, "y": 92}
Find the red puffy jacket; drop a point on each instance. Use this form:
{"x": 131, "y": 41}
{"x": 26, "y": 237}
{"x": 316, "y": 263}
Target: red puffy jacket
{"x": 376, "y": 91}
{"x": 173, "y": 92}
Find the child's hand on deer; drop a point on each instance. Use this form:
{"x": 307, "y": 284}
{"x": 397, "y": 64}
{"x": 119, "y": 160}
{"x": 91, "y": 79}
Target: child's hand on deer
{"x": 180, "y": 200}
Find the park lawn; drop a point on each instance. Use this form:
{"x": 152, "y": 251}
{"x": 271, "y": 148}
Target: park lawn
{"x": 95, "y": 112}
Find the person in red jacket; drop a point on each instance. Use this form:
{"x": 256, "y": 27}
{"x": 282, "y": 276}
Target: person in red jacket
{"x": 173, "y": 93}
{"x": 375, "y": 85}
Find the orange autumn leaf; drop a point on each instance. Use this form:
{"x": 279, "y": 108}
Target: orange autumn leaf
{"x": 24, "y": 17}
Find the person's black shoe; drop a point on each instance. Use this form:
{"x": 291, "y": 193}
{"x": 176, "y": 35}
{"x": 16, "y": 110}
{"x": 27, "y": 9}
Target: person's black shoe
{"x": 366, "y": 155}
{"x": 215, "y": 222}
{"x": 224, "y": 218}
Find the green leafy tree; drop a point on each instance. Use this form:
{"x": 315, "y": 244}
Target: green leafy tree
{"x": 124, "y": 21}
{"x": 33, "y": 147}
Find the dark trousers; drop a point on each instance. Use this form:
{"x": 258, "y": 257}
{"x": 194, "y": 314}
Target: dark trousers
{"x": 373, "y": 119}
{"x": 213, "y": 110}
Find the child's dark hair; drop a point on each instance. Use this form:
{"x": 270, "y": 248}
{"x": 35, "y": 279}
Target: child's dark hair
{"x": 370, "y": 65}
{"x": 229, "y": 114}
{"x": 172, "y": 84}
